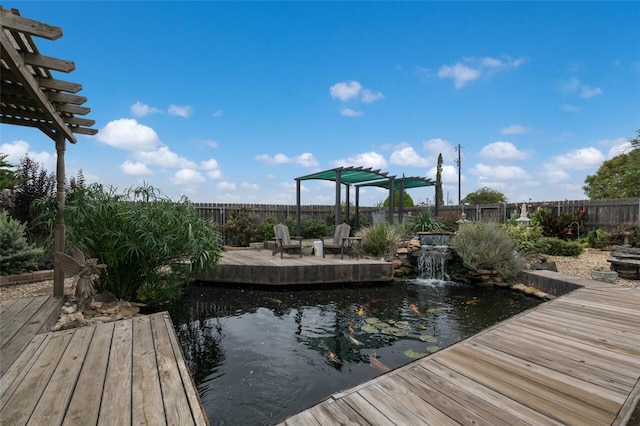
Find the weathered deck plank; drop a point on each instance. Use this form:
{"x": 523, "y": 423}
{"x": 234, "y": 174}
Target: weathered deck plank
{"x": 127, "y": 372}
{"x": 572, "y": 361}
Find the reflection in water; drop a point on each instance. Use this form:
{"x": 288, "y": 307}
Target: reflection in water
{"x": 260, "y": 355}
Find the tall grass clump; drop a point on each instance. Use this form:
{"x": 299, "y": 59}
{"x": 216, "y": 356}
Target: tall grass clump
{"x": 424, "y": 222}
{"x": 381, "y": 240}
{"x": 153, "y": 247}
{"x": 488, "y": 246}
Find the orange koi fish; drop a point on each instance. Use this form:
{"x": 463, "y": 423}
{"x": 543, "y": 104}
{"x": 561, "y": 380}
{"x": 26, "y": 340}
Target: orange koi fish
{"x": 351, "y": 330}
{"x": 360, "y": 312}
{"x": 377, "y": 364}
{"x": 332, "y": 357}
{"x": 414, "y": 309}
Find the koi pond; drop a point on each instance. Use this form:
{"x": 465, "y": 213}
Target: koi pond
{"x": 260, "y": 355}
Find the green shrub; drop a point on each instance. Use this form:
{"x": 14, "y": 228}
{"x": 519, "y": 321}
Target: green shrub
{"x": 556, "y": 247}
{"x": 629, "y": 232}
{"x": 423, "y": 222}
{"x": 265, "y": 229}
{"x": 381, "y": 240}
{"x": 16, "y": 255}
{"x": 597, "y": 238}
{"x": 527, "y": 237}
{"x": 488, "y": 246}
{"x": 313, "y": 228}
{"x": 153, "y": 247}
{"x": 241, "y": 228}
{"x": 552, "y": 224}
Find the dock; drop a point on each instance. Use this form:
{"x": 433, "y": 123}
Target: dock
{"x": 571, "y": 361}
{"x": 120, "y": 373}
{"x": 21, "y": 320}
{"x": 260, "y": 267}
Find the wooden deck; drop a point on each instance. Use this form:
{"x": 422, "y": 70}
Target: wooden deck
{"x": 572, "y": 361}
{"x": 260, "y": 267}
{"x": 22, "y": 319}
{"x": 120, "y": 373}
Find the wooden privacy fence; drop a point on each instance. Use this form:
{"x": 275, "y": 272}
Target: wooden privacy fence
{"x": 605, "y": 214}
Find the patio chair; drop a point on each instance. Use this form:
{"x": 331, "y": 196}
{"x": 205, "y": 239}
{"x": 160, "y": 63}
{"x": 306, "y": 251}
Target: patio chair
{"x": 340, "y": 240}
{"x": 284, "y": 241}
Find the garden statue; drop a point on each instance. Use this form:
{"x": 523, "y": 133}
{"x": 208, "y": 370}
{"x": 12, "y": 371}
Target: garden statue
{"x": 81, "y": 267}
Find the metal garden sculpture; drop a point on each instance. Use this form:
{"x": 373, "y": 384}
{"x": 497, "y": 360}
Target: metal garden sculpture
{"x": 82, "y": 268}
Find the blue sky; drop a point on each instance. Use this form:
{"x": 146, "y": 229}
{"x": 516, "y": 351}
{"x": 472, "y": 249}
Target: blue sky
{"x": 231, "y": 101}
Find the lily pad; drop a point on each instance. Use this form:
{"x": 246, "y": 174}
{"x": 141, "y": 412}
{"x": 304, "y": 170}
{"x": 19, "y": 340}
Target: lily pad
{"x": 369, "y": 328}
{"x": 380, "y": 325}
{"x": 428, "y": 338}
{"x": 433, "y": 348}
{"x": 421, "y": 326}
{"x": 394, "y": 331}
{"x": 372, "y": 320}
{"x": 402, "y": 324}
{"x": 414, "y": 355}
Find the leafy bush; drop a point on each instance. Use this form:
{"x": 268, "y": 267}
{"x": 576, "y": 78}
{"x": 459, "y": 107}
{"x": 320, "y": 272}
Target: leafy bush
{"x": 552, "y": 224}
{"x": 241, "y": 229}
{"x": 597, "y": 239}
{"x": 488, "y": 246}
{"x": 556, "y": 247}
{"x": 153, "y": 247}
{"x": 16, "y": 255}
{"x": 265, "y": 229}
{"x": 527, "y": 237}
{"x": 629, "y": 232}
{"x": 423, "y": 222}
{"x": 313, "y": 228}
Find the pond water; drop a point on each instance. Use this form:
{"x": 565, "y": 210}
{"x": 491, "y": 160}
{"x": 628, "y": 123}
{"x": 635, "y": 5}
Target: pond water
{"x": 260, "y": 355}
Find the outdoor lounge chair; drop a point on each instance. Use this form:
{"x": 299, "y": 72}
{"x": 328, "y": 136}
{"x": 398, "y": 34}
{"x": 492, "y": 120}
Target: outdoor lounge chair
{"x": 340, "y": 240}
{"x": 284, "y": 241}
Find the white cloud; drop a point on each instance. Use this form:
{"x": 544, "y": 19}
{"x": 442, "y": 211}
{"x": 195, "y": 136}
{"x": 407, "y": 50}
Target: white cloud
{"x": 127, "y": 133}
{"x": 574, "y": 85}
{"x": 365, "y": 159}
{"x": 502, "y": 151}
{"x": 449, "y": 174}
{"x": 180, "y": 111}
{"x": 187, "y": 177}
{"x": 437, "y": 146}
{"x": 460, "y": 73}
{"x": 368, "y": 96}
{"x": 352, "y": 90}
{"x": 579, "y": 159}
{"x": 514, "y": 129}
{"x": 501, "y": 173}
{"x": 407, "y": 156}
{"x": 226, "y": 186}
{"x": 305, "y": 159}
{"x": 212, "y": 168}
{"x": 140, "y": 110}
{"x": 16, "y": 150}
{"x": 470, "y": 69}
{"x": 254, "y": 187}
{"x": 348, "y": 112}
{"x": 164, "y": 157}
{"x": 345, "y": 91}
{"x": 589, "y": 92}
{"x": 554, "y": 174}
{"x": 620, "y": 146}
{"x": 136, "y": 168}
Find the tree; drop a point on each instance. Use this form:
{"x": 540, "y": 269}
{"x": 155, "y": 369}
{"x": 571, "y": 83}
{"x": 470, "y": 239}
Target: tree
{"x": 485, "y": 195}
{"x": 439, "y": 196}
{"x": 635, "y": 142}
{"x": 408, "y": 201}
{"x": 618, "y": 177}
{"x": 7, "y": 174}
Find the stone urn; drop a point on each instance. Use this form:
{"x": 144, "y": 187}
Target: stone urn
{"x": 605, "y": 276}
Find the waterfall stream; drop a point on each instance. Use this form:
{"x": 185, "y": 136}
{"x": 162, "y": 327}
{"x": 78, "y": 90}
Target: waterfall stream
{"x": 432, "y": 260}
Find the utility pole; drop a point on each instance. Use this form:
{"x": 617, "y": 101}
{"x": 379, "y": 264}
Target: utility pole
{"x": 459, "y": 164}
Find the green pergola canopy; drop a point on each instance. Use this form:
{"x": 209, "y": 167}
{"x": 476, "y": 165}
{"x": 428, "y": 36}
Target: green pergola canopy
{"x": 347, "y": 175}
{"x": 403, "y": 182}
